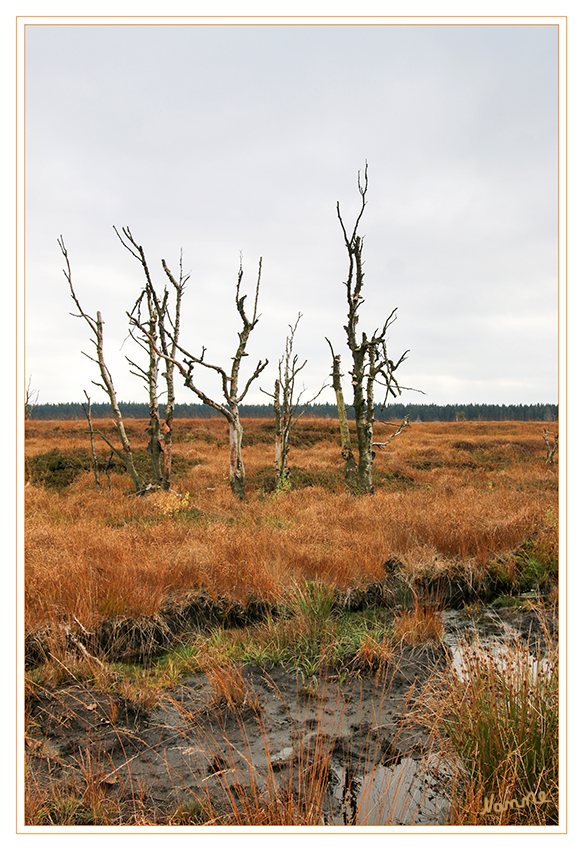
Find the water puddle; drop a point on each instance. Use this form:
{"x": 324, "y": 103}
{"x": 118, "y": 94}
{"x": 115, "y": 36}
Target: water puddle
{"x": 407, "y": 793}
{"x": 492, "y": 642}
{"x": 415, "y": 792}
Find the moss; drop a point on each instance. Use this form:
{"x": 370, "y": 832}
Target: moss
{"x": 58, "y": 469}
{"x": 264, "y": 479}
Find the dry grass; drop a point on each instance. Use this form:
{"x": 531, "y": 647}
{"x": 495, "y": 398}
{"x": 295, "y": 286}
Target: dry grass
{"x": 446, "y": 494}
{"x": 471, "y": 498}
{"x": 419, "y": 625}
{"x": 229, "y": 688}
{"x": 239, "y": 785}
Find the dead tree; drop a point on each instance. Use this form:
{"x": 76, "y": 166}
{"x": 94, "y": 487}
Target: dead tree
{"x": 30, "y": 399}
{"x": 159, "y": 332}
{"x": 87, "y": 412}
{"x": 96, "y": 326}
{"x": 230, "y": 381}
{"x": 371, "y": 364}
{"x": 287, "y": 406}
{"x": 551, "y": 450}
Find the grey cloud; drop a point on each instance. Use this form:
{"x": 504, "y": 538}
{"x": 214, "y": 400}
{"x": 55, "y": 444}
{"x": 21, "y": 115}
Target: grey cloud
{"x": 221, "y": 139}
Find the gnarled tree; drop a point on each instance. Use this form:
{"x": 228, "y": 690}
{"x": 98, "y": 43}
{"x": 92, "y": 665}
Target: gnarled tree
{"x": 155, "y": 336}
{"x": 371, "y": 365}
{"x": 233, "y": 394}
{"x": 96, "y": 326}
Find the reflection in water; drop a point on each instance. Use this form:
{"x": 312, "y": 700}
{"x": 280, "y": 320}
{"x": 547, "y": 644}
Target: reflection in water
{"x": 410, "y": 792}
{"x": 414, "y": 792}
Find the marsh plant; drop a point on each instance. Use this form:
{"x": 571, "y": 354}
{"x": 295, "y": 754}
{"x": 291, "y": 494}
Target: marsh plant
{"x": 499, "y": 712}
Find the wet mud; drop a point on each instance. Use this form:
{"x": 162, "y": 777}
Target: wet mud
{"x": 287, "y": 739}
{"x": 237, "y": 745}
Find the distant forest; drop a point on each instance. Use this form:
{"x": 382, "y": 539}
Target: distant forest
{"x": 397, "y": 411}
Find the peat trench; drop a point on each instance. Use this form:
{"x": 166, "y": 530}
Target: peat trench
{"x": 351, "y": 738}
{"x": 131, "y": 639}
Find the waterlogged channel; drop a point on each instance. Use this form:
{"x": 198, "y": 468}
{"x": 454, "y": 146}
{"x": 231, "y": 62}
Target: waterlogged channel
{"x": 408, "y": 793}
{"x": 378, "y": 768}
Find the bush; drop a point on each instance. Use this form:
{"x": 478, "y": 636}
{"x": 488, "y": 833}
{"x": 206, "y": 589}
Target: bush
{"x": 57, "y": 469}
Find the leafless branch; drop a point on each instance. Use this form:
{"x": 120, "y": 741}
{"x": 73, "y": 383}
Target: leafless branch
{"x": 404, "y": 424}
{"x": 96, "y": 326}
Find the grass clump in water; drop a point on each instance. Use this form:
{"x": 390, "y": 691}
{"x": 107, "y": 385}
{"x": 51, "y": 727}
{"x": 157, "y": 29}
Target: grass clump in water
{"x": 500, "y": 714}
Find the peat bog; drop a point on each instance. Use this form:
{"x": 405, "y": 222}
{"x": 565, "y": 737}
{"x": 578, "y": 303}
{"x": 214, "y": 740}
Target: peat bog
{"x": 196, "y": 660}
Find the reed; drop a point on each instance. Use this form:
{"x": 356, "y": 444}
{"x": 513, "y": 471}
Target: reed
{"x": 499, "y": 714}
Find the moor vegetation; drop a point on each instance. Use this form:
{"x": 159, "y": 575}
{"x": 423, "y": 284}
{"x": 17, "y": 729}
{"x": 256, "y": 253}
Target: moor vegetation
{"x": 471, "y": 497}
{"x": 126, "y": 595}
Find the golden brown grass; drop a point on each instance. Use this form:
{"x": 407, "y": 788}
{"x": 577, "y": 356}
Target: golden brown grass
{"x": 229, "y": 688}
{"x": 446, "y": 493}
{"x": 419, "y": 625}
{"x": 449, "y": 497}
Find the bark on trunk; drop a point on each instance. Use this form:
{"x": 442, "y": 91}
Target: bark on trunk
{"x": 154, "y": 429}
{"x": 166, "y": 449}
{"x": 278, "y": 446}
{"x": 126, "y": 453}
{"x": 154, "y": 449}
{"x": 236, "y": 468}
{"x": 350, "y": 467}
{"x": 282, "y": 431}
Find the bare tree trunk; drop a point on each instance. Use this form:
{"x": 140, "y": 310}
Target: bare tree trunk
{"x": 96, "y": 326}
{"x": 363, "y": 422}
{"x": 153, "y": 404}
{"x": 278, "y": 429}
{"x": 236, "y": 468}
{"x": 87, "y": 411}
{"x": 350, "y": 467}
{"x": 126, "y": 454}
{"x": 550, "y": 459}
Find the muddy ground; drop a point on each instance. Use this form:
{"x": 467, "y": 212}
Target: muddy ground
{"x": 341, "y": 748}
{"x": 286, "y": 738}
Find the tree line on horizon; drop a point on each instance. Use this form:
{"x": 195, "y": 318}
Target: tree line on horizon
{"x": 397, "y": 411}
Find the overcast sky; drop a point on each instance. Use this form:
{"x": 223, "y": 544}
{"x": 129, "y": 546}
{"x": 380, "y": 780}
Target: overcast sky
{"x": 222, "y": 139}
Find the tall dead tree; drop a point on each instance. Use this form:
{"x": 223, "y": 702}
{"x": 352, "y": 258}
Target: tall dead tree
{"x": 287, "y": 405}
{"x": 158, "y": 332}
{"x": 96, "y": 326}
{"x": 371, "y": 364}
{"x": 230, "y": 380}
